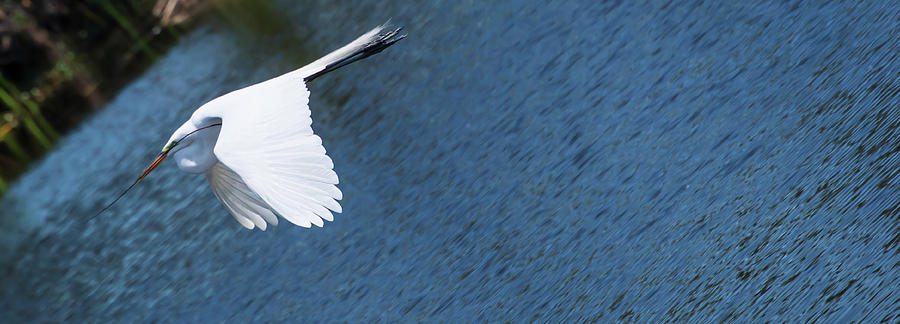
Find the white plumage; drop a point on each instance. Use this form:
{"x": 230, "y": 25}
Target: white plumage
{"x": 258, "y": 150}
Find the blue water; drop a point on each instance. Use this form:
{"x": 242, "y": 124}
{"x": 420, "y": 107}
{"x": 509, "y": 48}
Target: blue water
{"x": 563, "y": 162}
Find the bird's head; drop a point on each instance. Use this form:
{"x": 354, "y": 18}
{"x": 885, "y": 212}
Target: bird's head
{"x": 181, "y": 139}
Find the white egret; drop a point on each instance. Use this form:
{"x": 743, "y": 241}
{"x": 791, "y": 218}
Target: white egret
{"x": 257, "y": 147}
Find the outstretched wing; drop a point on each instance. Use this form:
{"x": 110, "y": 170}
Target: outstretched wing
{"x": 244, "y": 204}
{"x": 267, "y": 140}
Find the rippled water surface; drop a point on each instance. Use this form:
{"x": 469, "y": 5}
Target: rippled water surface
{"x": 608, "y": 160}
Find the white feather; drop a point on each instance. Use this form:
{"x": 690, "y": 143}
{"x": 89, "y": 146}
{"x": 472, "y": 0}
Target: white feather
{"x": 270, "y": 146}
{"x": 244, "y": 204}
{"x": 268, "y": 159}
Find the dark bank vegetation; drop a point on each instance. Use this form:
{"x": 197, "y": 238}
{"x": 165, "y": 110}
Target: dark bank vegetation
{"x": 60, "y": 60}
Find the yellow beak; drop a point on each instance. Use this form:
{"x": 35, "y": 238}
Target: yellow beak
{"x": 159, "y": 158}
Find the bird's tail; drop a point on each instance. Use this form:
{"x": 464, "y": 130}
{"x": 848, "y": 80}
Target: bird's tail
{"x": 368, "y": 44}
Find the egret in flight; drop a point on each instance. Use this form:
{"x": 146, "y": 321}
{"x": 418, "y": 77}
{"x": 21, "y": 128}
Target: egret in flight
{"x": 257, "y": 147}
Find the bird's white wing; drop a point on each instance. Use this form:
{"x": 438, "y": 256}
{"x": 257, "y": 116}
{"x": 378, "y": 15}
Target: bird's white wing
{"x": 267, "y": 140}
{"x": 244, "y": 204}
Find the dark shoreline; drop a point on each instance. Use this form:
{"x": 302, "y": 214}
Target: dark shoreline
{"x": 60, "y": 61}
